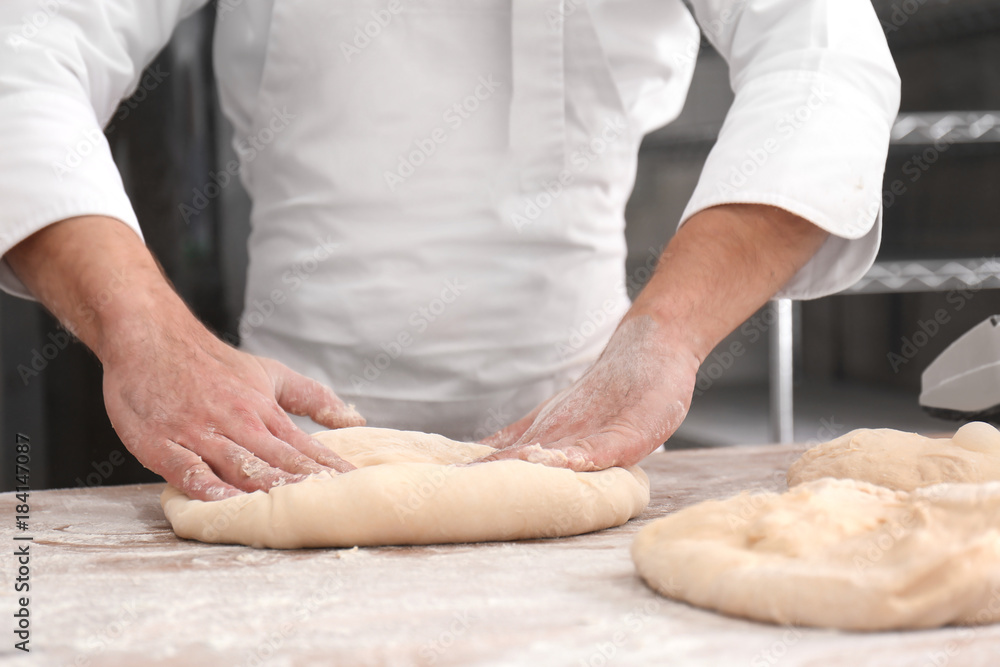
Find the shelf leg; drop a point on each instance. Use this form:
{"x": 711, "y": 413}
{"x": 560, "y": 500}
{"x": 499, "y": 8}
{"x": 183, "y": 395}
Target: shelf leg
{"x": 782, "y": 372}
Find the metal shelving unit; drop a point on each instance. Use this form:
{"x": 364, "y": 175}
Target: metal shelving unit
{"x": 964, "y": 127}
{"x": 927, "y": 275}
{"x": 930, "y": 275}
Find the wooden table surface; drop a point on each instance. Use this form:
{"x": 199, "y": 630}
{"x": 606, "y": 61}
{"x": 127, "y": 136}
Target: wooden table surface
{"x": 112, "y": 585}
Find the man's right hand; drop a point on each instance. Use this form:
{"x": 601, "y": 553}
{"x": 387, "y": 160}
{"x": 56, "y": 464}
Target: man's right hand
{"x": 211, "y": 419}
{"x": 208, "y": 418}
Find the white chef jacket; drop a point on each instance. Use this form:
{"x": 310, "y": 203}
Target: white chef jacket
{"x": 438, "y": 187}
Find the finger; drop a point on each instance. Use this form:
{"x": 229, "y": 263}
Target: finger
{"x": 619, "y": 446}
{"x": 560, "y": 455}
{"x": 598, "y": 451}
{"x": 594, "y": 452}
{"x": 251, "y": 433}
{"x": 238, "y": 466}
{"x": 532, "y": 453}
{"x": 186, "y": 471}
{"x": 306, "y": 397}
{"x": 285, "y": 429}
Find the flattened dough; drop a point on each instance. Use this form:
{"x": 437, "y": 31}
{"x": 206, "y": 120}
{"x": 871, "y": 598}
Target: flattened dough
{"x": 834, "y": 553}
{"x": 408, "y": 490}
{"x": 904, "y": 461}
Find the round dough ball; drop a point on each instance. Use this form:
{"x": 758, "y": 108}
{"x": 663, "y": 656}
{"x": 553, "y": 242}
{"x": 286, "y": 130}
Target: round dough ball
{"x": 904, "y": 461}
{"x": 411, "y": 488}
{"x": 978, "y": 437}
{"x": 834, "y": 553}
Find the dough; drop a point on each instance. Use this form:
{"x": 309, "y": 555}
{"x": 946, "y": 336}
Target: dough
{"x": 834, "y": 553}
{"x": 407, "y": 490}
{"x": 905, "y": 461}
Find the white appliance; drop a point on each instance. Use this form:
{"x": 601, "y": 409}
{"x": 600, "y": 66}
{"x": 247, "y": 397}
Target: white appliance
{"x": 963, "y": 383}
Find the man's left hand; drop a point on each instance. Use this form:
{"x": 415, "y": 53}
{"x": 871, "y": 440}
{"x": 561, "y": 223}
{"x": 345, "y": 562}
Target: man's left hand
{"x": 625, "y": 406}
{"x": 719, "y": 268}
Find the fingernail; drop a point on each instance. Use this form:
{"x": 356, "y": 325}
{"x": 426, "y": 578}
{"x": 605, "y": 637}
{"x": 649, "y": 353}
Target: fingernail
{"x": 353, "y": 415}
{"x": 221, "y": 493}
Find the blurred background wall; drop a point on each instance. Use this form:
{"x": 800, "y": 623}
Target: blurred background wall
{"x": 169, "y": 138}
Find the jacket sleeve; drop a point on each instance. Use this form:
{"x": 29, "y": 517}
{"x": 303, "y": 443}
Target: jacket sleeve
{"x": 65, "y": 65}
{"x": 816, "y": 93}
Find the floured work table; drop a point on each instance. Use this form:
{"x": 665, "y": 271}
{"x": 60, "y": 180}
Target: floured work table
{"x": 112, "y": 585}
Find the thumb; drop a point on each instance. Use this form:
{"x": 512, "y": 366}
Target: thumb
{"x": 594, "y": 452}
{"x": 306, "y": 397}
{"x": 511, "y": 433}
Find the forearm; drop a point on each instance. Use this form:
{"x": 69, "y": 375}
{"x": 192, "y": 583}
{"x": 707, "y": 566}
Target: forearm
{"x": 720, "y": 267}
{"x": 209, "y": 418}
{"x": 98, "y": 278}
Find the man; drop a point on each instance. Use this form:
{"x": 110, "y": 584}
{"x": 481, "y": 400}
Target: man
{"x": 455, "y": 183}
